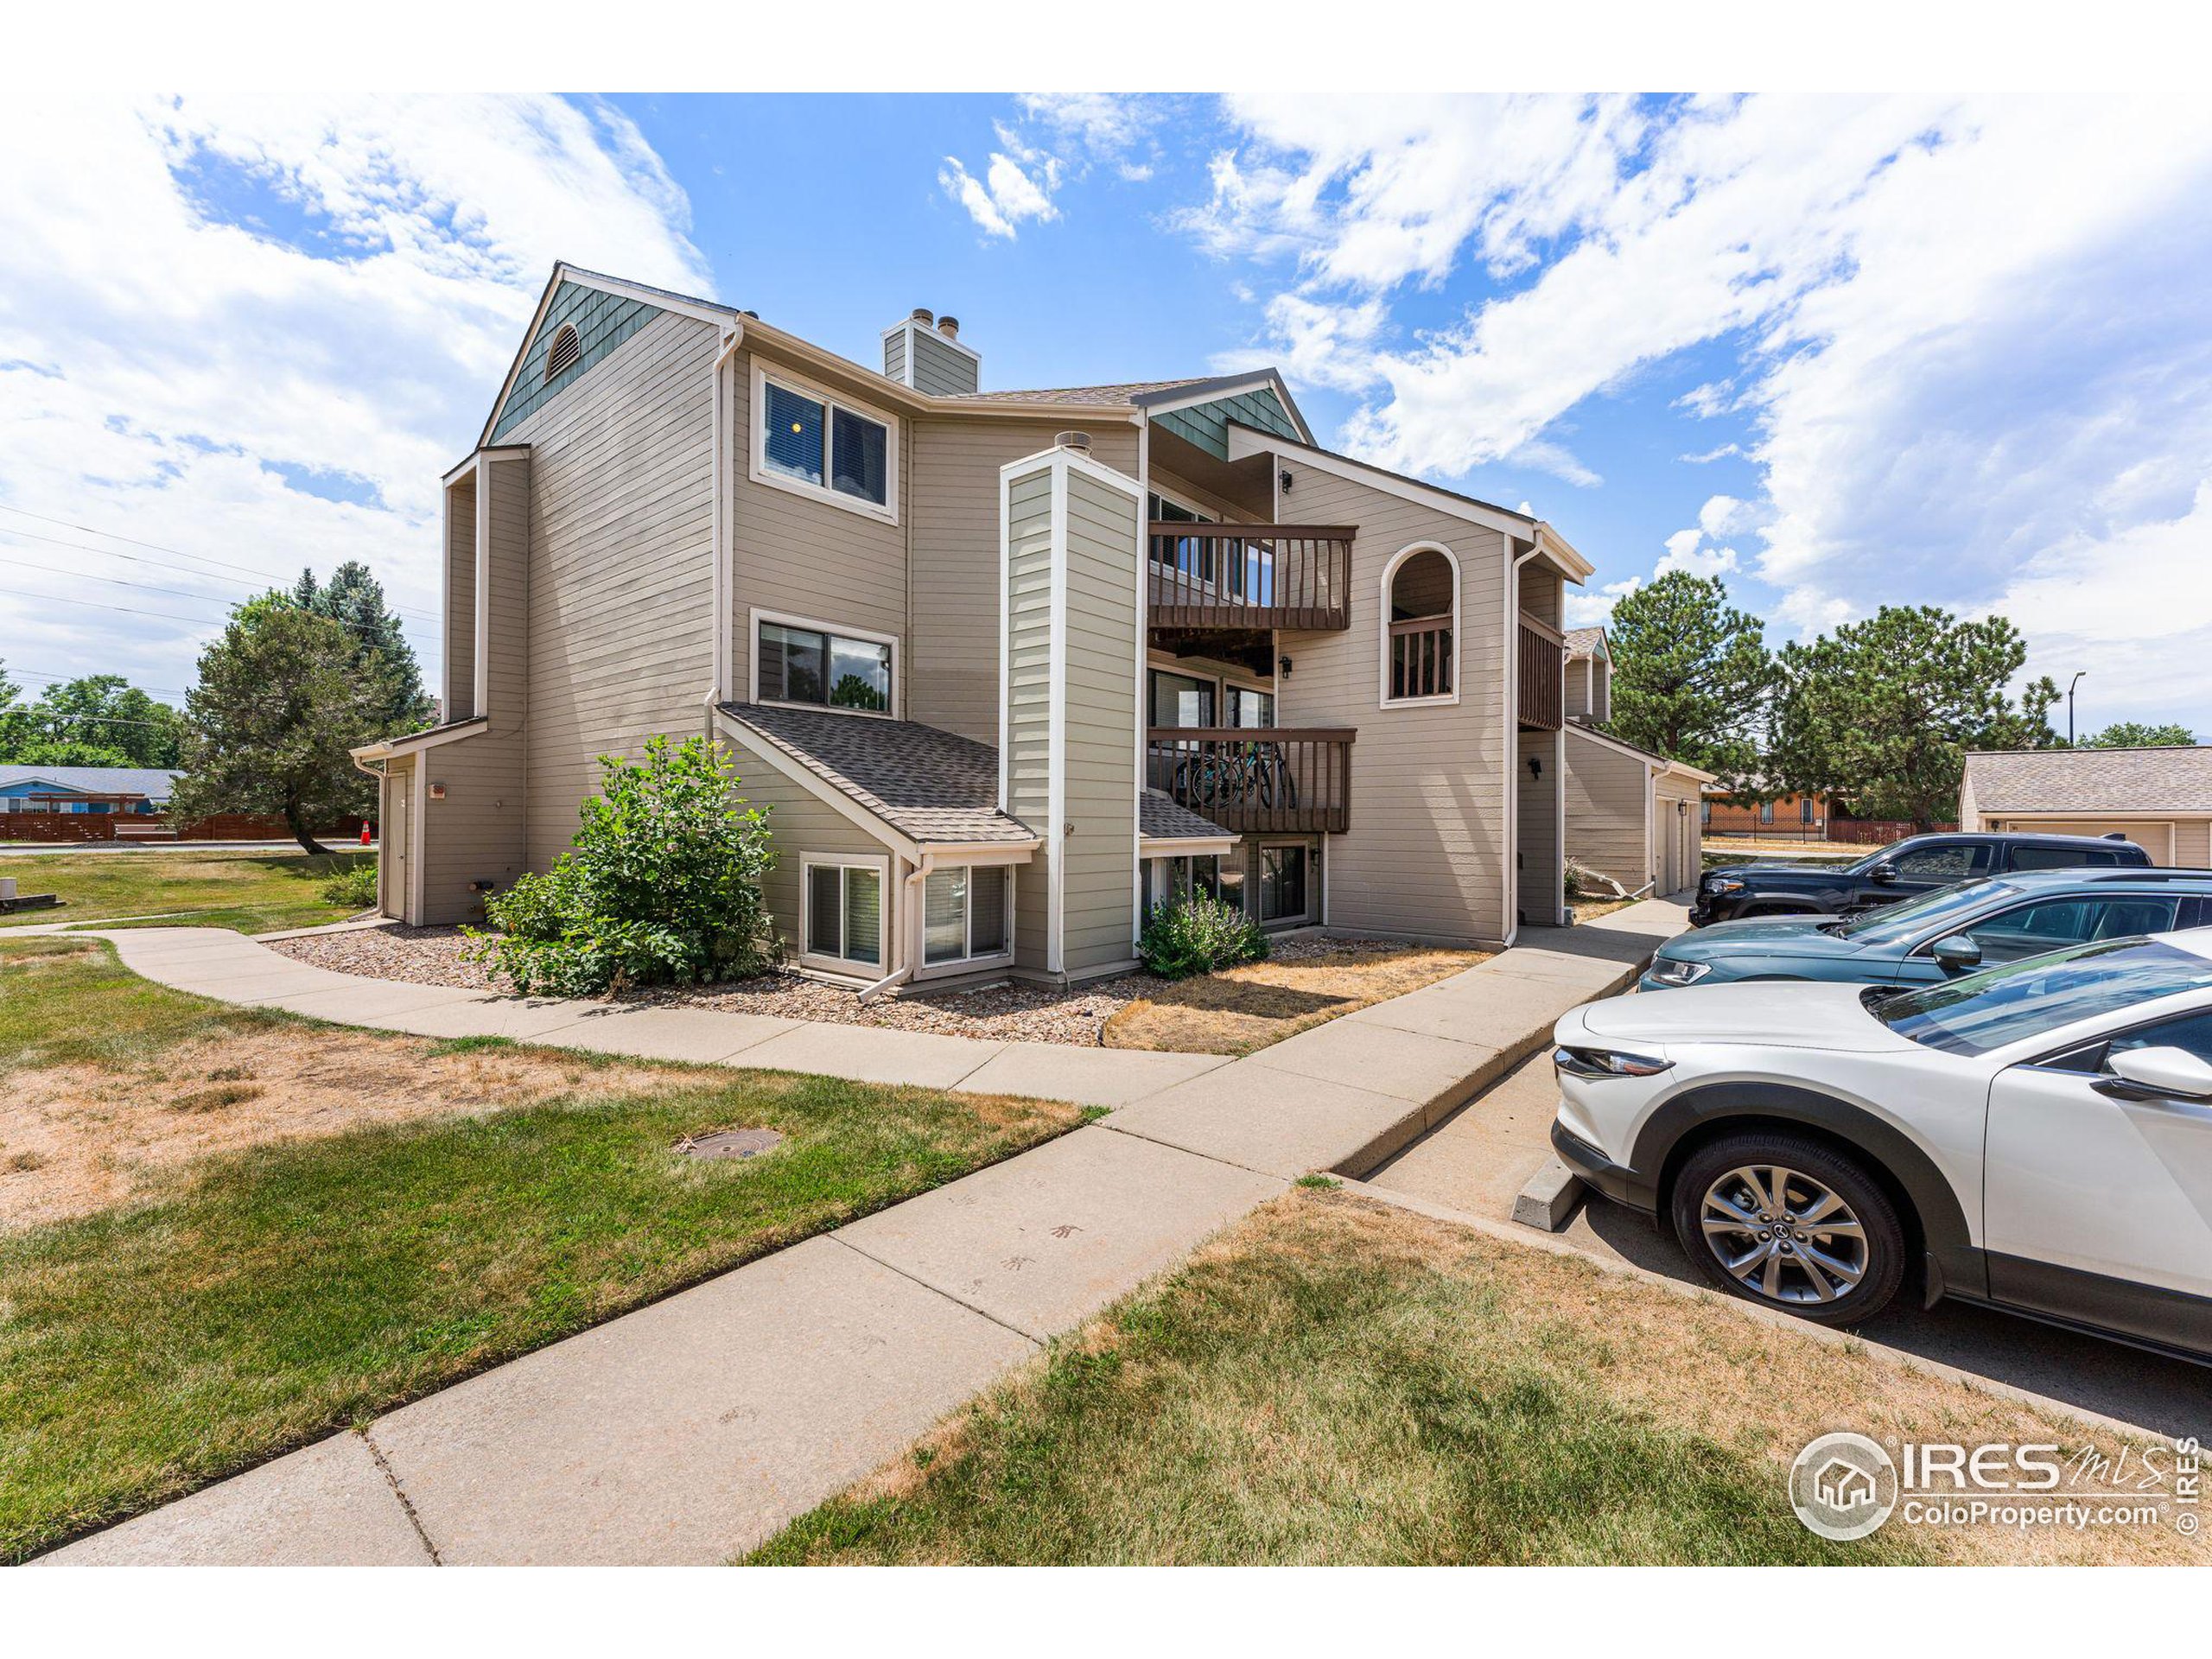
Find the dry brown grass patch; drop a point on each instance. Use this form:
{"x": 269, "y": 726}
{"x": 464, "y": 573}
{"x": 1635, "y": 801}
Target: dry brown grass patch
{"x": 77, "y": 1138}
{"x": 1241, "y": 1009}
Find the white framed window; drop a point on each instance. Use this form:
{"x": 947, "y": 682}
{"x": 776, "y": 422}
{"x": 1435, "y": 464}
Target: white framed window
{"x": 816, "y": 443}
{"x": 967, "y": 914}
{"x": 1175, "y": 878}
{"x": 797, "y": 659}
{"x": 843, "y": 917}
{"x": 1421, "y": 626}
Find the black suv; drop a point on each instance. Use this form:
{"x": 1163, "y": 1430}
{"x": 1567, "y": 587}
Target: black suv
{"x": 1916, "y": 865}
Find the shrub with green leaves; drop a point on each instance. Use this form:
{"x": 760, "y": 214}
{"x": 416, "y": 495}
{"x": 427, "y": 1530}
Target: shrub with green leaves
{"x": 354, "y": 883}
{"x": 1197, "y": 935}
{"x": 662, "y": 886}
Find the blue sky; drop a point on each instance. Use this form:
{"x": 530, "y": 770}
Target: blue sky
{"x": 1843, "y": 352}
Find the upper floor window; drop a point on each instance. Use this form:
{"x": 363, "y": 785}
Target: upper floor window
{"x": 1421, "y": 626}
{"x": 798, "y": 662}
{"x": 809, "y": 443}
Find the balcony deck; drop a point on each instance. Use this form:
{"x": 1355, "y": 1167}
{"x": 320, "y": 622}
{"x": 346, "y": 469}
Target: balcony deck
{"x": 1256, "y": 778}
{"x": 1250, "y": 576}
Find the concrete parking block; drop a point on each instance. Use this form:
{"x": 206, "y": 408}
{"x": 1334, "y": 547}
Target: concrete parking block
{"x": 872, "y": 1054}
{"x": 1043, "y": 1240}
{"x": 703, "y": 1035}
{"x": 326, "y": 1505}
{"x": 1430, "y": 1072}
{"x": 687, "y": 1432}
{"x": 1549, "y": 1198}
{"x": 1273, "y": 1121}
{"x": 1090, "y": 1076}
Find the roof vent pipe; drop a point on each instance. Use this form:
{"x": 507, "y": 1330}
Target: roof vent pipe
{"x": 1078, "y": 441}
{"x": 924, "y": 315}
{"x": 948, "y": 326}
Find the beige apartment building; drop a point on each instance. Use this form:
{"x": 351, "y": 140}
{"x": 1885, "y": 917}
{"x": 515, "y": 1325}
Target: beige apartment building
{"x": 1006, "y": 667}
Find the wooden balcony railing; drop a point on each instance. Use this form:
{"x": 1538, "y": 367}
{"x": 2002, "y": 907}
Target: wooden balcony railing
{"x": 1250, "y": 576}
{"x": 1420, "y": 657}
{"x": 1542, "y": 701}
{"x": 1261, "y": 779}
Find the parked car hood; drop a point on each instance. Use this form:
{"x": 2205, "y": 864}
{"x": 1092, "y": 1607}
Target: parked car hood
{"x": 1781, "y": 878}
{"x": 1776, "y": 1015}
{"x": 1778, "y": 935}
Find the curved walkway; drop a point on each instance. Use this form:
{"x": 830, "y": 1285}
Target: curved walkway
{"x": 689, "y": 1430}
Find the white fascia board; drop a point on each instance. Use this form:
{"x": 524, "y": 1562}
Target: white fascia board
{"x": 393, "y": 746}
{"x": 1560, "y": 556}
{"x": 1186, "y": 846}
{"x": 1245, "y": 441}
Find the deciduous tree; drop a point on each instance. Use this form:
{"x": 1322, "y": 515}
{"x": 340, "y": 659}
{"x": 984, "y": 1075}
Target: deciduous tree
{"x": 2129, "y": 734}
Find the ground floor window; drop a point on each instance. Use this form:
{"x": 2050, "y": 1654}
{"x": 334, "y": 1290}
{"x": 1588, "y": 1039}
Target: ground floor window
{"x": 1766, "y": 811}
{"x": 1805, "y": 811}
{"x": 843, "y": 922}
{"x": 1282, "y": 883}
{"x": 1174, "y": 880}
{"x": 964, "y": 913}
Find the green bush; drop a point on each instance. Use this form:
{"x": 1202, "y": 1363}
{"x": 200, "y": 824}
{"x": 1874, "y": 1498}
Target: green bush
{"x": 662, "y": 886}
{"x": 354, "y": 883}
{"x": 1197, "y": 935}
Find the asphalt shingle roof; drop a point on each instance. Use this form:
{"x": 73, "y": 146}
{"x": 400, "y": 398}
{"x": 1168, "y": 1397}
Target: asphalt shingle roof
{"x": 930, "y": 786}
{"x": 1160, "y": 817}
{"x": 1128, "y": 391}
{"x": 1580, "y": 642}
{"x": 2092, "y": 780}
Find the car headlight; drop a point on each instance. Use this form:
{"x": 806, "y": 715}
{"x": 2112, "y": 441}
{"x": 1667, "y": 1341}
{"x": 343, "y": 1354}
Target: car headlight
{"x": 1726, "y": 884}
{"x": 1669, "y": 971}
{"x": 1604, "y": 1063}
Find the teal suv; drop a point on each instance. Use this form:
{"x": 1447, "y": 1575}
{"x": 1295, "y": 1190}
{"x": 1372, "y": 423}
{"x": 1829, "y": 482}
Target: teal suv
{"x": 1952, "y": 931}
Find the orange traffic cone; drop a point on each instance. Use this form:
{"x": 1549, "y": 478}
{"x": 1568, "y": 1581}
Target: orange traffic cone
{"x": 364, "y": 832}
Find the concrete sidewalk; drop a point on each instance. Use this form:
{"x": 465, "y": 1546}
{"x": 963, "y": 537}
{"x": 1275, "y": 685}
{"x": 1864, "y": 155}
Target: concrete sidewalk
{"x": 689, "y": 1430}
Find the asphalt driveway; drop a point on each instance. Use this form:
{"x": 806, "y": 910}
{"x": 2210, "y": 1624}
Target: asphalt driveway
{"x": 1480, "y": 1157}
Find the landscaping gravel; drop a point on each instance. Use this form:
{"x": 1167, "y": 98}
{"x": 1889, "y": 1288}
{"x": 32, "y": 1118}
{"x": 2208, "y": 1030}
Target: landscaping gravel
{"x": 1010, "y": 1011}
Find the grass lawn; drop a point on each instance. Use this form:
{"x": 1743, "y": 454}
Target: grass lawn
{"x": 1334, "y": 1380}
{"x": 310, "y": 1225}
{"x": 1239, "y": 1010}
{"x": 253, "y": 893}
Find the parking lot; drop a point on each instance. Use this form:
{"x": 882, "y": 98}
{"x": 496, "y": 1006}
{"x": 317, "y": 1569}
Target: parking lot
{"x": 1477, "y": 1159}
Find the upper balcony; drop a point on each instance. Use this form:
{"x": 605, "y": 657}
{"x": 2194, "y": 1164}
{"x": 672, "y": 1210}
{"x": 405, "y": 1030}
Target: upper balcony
{"x": 1540, "y": 699}
{"x": 1250, "y": 576}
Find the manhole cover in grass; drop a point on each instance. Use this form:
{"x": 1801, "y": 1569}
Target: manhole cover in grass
{"x": 729, "y": 1143}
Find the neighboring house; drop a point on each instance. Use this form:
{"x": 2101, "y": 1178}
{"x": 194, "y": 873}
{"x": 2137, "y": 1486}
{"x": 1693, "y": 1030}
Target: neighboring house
{"x": 85, "y": 789}
{"x": 1631, "y": 815}
{"x": 2160, "y": 799}
{"x": 1804, "y": 816}
{"x": 1007, "y": 666}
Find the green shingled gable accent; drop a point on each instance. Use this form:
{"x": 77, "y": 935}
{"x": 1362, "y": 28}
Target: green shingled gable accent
{"x": 603, "y": 320}
{"x": 1207, "y": 424}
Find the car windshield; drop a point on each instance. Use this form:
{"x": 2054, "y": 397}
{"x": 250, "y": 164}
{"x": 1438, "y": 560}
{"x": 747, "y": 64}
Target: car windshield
{"x": 1895, "y": 923}
{"x": 2021, "y": 1000}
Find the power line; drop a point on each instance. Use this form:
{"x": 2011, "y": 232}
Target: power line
{"x": 120, "y": 581}
{"x": 71, "y": 679}
{"x": 156, "y": 546}
{"x": 93, "y": 604}
{"x": 415, "y": 611}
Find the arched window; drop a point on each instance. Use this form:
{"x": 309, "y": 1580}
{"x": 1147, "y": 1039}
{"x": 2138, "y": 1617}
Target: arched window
{"x": 562, "y": 355}
{"x": 1420, "y": 626}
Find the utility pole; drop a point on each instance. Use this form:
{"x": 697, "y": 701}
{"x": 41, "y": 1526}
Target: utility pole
{"x": 2070, "y": 684}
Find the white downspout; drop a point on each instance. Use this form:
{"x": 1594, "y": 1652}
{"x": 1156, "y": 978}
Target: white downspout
{"x": 1512, "y": 916}
{"x": 911, "y": 934}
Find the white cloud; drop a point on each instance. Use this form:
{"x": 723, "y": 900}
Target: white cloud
{"x": 1589, "y": 610}
{"x": 1972, "y": 335}
{"x": 1013, "y": 187}
{"x": 1058, "y": 138}
{"x": 258, "y": 331}
{"x": 1721, "y": 452}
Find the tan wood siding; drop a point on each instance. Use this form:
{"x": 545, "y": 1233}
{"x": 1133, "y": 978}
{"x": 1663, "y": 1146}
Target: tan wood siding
{"x": 1608, "y": 808}
{"x": 1029, "y": 699}
{"x": 953, "y": 648}
{"x": 1104, "y": 551}
{"x": 941, "y": 370}
{"x": 459, "y": 672}
{"x": 805, "y": 557}
{"x": 1426, "y": 853}
{"x": 1542, "y": 876}
{"x": 799, "y": 821}
{"x": 621, "y": 580}
{"x": 476, "y": 833}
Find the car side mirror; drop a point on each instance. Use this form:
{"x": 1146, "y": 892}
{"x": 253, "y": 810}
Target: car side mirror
{"x": 2166, "y": 1073}
{"x": 1883, "y": 874}
{"x": 1956, "y": 955}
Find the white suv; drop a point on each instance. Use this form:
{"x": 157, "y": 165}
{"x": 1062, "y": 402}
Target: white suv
{"x": 2037, "y": 1137}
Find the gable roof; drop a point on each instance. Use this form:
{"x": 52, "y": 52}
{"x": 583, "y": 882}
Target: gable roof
{"x": 1582, "y": 642}
{"x": 2091, "y": 780}
{"x": 930, "y": 786}
{"x": 155, "y": 783}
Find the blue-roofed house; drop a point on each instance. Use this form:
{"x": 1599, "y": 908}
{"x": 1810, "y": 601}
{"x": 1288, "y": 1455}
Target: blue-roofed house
{"x": 85, "y": 789}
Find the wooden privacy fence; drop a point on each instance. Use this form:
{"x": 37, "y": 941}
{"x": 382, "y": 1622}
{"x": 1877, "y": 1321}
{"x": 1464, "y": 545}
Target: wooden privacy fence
{"x": 102, "y": 826}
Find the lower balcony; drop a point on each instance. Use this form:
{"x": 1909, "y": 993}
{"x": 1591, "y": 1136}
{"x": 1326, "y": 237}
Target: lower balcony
{"x": 1256, "y": 780}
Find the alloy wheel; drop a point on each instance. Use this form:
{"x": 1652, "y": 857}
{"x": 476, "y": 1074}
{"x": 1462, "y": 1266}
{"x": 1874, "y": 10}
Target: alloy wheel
{"x": 1784, "y": 1235}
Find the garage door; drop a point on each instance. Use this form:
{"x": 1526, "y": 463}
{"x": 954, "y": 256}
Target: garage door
{"x": 2155, "y": 839}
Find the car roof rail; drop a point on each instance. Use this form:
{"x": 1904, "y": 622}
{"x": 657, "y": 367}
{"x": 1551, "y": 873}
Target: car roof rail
{"x": 2152, "y": 872}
